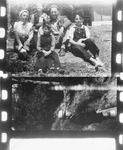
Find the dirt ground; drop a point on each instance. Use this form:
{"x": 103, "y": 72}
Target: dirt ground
{"x": 75, "y": 66}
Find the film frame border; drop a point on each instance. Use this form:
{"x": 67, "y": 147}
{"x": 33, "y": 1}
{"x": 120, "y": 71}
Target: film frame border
{"x": 117, "y": 41}
{"x": 5, "y": 111}
{"x": 117, "y": 67}
{"x": 3, "y": 34}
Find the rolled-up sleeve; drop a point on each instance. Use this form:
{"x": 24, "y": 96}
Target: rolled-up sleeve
{"x": 87, "y": 32}
{"x": 71, "y": 32}
{"x": 40, "y": 32}
{"x": 53, "y": 43}
{"x": 15, "y": 26}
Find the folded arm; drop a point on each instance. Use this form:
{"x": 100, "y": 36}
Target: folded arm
{"x": 46, "y": 53}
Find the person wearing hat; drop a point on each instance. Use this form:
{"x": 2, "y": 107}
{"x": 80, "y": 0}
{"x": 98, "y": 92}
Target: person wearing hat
{"x": 23, "y": 35}
{"x": 37, "y": 20}
{"x": 60, "y": 24}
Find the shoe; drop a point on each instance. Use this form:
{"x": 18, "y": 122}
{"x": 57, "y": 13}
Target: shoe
{"x": 40, "y": 71}
{"x": 24, "y": 55}
{"x": 97, "y": 68}
{"x": 100, "y": 64}
{"x": 62, "y": 52}
{"x": 59, "y": 70}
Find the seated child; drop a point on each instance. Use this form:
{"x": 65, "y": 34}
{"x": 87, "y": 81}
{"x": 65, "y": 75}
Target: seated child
{"x": 81, "y": 43}
{"x": 45, "y": 47}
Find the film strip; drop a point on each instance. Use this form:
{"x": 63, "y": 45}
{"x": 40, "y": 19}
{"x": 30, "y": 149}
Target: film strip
{"x": 5, "y": 111}
{"x": 3, "y": 31}
{"x": 117, "y": 38}
{"x": 3, "y": 108}
{"x": 6, "y": 84}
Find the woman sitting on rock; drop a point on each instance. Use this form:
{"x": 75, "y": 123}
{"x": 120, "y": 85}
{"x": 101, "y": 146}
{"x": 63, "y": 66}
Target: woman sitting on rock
{"x": 23, "y": 35}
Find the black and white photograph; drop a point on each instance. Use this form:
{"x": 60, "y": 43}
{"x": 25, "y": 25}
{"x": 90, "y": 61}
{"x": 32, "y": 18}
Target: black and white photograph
{"x": 59, "y": 87}
{"x": 64, "y": 104}
{"x": 59, "y": 38}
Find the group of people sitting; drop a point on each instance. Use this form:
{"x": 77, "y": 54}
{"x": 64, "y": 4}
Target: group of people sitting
{"x": 46, "y": 32}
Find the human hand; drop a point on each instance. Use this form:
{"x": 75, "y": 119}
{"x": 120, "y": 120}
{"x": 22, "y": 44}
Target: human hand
{"x": 23, "y": 50}
{"x": 39, "y": 49}
{"x": 26, "y": 47}
{"x": 46, "y": 53}
{"x": 27, "y": 42}
{"x": 79, "y": 42}
{"x": 82, "y": 44}
{"x": 57, "y": 39}
{"x": 20, "y": 47}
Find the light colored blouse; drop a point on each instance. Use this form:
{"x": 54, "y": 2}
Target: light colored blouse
{"x": 23, "y": 30}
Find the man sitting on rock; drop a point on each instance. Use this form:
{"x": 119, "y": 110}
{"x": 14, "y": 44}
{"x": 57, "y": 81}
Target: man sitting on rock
{"x": 60, "y": 24}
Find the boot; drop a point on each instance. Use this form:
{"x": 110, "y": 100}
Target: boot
{"x": 62, "y": 52}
